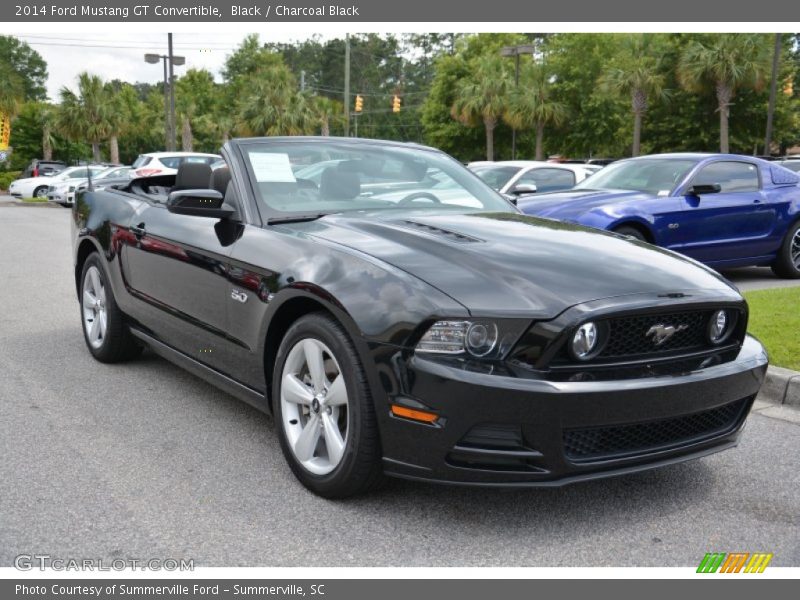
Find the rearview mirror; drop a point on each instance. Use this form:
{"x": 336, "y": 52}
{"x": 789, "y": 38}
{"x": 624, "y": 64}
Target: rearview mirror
{"x": 524, "y": 188}
{"x": 703, "y": 188}
{"x": 198, "y": 203}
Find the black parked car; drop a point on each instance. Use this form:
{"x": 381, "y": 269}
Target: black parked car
{"x": 39, "y": 168}
{"x": 416, "y": 325}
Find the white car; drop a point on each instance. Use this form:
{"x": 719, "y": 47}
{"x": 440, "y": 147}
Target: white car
{"x": 63, "y": 192}
{"x": 39, "y": 187}
{"x": 518, "y": 177}
{"x": 167, "y": 163}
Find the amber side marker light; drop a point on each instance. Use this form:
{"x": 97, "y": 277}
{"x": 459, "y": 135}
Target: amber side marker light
{"x": 413, "y": 414}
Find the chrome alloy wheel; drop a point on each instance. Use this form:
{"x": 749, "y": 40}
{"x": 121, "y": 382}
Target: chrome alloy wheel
{"x": 95, "y": 318}
{"x": 314, "y": 406}
{"x": 794, "y": 251}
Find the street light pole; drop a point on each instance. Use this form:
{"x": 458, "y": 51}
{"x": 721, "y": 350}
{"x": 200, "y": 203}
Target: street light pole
{"x": 776, "y": 55}
{"x": 169, "y": 92}
{"x": 166, "y": 105}
{"x": 347, "y": 85}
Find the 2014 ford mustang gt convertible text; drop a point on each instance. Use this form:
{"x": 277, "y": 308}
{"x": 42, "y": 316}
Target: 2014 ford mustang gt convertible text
{"x": 397, "y": 316}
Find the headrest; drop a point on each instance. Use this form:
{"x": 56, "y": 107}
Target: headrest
{"x": 220, "y": 178}
{"x": 192, "y": 176}
{"x": 338, "y": 184}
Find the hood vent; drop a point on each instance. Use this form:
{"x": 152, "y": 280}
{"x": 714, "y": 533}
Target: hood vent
{"x": 439, "y": 232}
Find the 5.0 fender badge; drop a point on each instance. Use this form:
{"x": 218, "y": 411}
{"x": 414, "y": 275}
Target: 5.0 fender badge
{"x": 239, "y": 295}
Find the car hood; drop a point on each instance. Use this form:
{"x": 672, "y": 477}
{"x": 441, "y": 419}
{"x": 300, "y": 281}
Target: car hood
{"x": 510, "y": 264}
{"x": 570, "y": 205}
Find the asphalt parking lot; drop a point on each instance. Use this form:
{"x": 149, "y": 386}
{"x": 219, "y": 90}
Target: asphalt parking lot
{"x": 146, "y": 461}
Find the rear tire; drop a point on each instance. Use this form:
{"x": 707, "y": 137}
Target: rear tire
{"x": 324, "y": 411}
{"x": 631, "y": 232}
{"x": 104, "y": 330}
{"x": 787, "y": 263}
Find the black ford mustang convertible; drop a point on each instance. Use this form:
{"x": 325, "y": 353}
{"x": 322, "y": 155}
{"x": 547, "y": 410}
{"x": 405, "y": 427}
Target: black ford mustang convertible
{"x": 397, "y": 316}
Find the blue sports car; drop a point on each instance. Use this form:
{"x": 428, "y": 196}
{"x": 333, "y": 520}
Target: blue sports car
{"x": 724, "y": 210}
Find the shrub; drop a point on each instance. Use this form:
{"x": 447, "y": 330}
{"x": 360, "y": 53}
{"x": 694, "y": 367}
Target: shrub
{"x": 6, "y": 178}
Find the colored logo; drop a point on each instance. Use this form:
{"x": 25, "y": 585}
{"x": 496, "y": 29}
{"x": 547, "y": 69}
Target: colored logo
{"x": 734, "y": 562}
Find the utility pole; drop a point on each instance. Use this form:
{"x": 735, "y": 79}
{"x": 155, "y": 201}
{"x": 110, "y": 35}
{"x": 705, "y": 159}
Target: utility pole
{"x": 347, "y": 85}
{"x": 303, "y": 81}
{"x": 166, "y": 105}
{"x": 772, "y": 92}
{"x": 171, "y": 96}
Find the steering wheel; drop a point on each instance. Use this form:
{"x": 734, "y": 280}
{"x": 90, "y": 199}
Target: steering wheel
{"x": 418, "y": 196}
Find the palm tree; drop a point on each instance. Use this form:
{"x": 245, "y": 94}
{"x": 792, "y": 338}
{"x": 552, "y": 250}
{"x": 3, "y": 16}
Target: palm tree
{"x": 635, "y": 72}
{"x": 271, "y": 104}
{"x": 326, "y": 111}
{"x": 88, "y": 114}
{"x": 45, "y": 116}
{"x": 531, "y": 104}
{"x": 724, "y": 62}
{"x": 483, "y": 97}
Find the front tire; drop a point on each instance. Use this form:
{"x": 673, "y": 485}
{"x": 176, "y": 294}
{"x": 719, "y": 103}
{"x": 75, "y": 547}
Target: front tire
{"x": 324, "y": 411}
{"x": 104, "y": 330}
{"x": 787, "y": 263}
{"x": 40, "y": 192}
{"x": 631, "y": 232}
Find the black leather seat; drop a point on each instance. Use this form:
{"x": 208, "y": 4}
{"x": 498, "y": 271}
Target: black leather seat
{"x": 192, "y": 176}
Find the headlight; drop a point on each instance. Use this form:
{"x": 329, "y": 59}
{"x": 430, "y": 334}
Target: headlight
{"x": 588, "y": 340}
{"x": 444, "y": 337}
{"x": 72, "y": 188}
{"x": 720, "y": 326}
{"x": 478, "y": 338}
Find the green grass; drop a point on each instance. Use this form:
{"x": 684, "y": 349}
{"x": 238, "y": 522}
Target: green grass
{"x": 775, "y": 320}
{"x": 34, "y": 200}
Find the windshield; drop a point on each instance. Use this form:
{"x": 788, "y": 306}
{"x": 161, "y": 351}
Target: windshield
{"x": 657, "y": 176}
{"x": 310, "y": 177}
{"x": 496, "y": 177}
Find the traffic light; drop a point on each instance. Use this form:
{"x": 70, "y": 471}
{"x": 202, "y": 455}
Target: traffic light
{"x": 396, "y": 104}
{"x": 359, "y": 104}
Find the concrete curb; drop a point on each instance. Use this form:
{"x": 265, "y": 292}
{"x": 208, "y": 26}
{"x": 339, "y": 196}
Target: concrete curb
{"x": 781, "y": 386}
{"x": 14, "y": 203}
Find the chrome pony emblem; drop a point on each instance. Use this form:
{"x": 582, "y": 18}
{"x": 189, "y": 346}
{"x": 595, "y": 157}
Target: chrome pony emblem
{"x": 661, "y": 333}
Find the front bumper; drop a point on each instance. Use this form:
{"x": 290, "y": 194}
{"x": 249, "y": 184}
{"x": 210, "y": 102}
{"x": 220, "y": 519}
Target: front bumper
{"x": 503, "y": 430}
{"x": 61, "y": 197}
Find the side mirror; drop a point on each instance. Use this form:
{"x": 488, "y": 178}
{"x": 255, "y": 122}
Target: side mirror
{"x": 524, "y": 188}
{"x": 704, "y": 188}
{"x": 199, "y": 203}
{"x": 511, "y": 198}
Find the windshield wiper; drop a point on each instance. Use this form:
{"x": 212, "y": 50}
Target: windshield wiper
{"x": 296, "y": 218}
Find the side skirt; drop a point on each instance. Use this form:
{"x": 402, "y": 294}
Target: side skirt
{"x": 212, "y": 376}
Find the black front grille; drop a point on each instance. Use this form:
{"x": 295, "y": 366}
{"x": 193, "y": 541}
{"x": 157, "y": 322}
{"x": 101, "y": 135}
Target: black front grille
{"x": 628, "y": 336}
{"x": 604, "y": 443}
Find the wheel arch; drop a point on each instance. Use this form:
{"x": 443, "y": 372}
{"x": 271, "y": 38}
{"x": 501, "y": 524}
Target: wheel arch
{"x": 640, "y": 226}
{"x": 293, "y": 305}
{"x": 85, "y": 248}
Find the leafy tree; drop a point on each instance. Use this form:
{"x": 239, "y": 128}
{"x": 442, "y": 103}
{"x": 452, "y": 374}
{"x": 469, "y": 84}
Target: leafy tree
{"x": 635, "y": 71}
{"x": 531, "y": 104}
{"x": 482, "y": 97}
{"x": 87, "y": 114}
{"x": 195, "y": 94}
{"x": 725, "y": 62}
{"x": 19, "y": 57}
{"x": 12, "y": 91}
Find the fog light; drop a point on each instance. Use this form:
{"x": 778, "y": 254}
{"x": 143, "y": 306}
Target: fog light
{"x": 585, "y": 341}
{"x": 719, "y": 326}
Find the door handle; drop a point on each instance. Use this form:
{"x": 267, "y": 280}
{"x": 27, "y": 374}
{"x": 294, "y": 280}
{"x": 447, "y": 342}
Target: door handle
{"x": 138, "y": 230}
